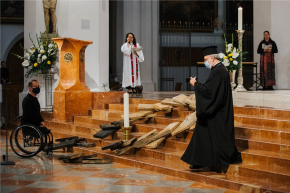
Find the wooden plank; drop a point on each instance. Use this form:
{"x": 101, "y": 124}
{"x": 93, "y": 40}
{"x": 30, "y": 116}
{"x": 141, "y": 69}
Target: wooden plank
{"x": 97, "y": 161}
{"x": 189, "y": 121}
{"x": 161, "y": 107}
{"x": 86, "y": 144}
{"x": 192, "y": 127}
{"x": 66, "y": 138}
{"x": 169, "y": 101}
{"x": 147, "y": 107}
{"x": 166, "y": 131}
{"x": 70, "y": 156}
{"x": 154, "y": 144}
{"x": 129, "y": 142}
{"x": 139, "y": 143}
{"x": 191, "y": 102}
{"x": 113, "y": 145}
{"x": 153, "y": 132}
{"x": 180, "y": 99}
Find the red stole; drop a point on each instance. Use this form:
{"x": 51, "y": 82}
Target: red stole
{"x": 132, "y": 67}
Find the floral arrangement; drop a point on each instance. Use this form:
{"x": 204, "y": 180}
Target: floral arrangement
{"x": 232, "y": 59}
{"x": 39, "y": 58}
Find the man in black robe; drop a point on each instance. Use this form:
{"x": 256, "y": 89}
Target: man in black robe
{"x": 213, "y": 140}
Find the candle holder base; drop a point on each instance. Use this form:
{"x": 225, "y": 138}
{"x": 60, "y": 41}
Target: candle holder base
{"x": 240, "y": 88}
{"x": 127, "y": 133}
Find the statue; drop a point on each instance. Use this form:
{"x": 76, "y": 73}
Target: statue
{"x": 49, "y": 5}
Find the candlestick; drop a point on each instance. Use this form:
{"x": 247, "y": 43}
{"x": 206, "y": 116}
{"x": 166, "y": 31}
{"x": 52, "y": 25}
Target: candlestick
{"x": 240, "y": 87}
{"x": 126, "y": 110}
{"x": 240, "y": 18}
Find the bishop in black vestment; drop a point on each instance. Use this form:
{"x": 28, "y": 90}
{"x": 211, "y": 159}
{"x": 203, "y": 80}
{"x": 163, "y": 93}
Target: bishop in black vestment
{"x": 213, "y": 140}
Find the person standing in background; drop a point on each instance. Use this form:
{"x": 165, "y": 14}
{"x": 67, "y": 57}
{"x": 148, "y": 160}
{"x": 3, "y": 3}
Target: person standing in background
{"x": 4, "y": 73}
{"x": 266, "y": 49}
{"x": 133, "y": 55}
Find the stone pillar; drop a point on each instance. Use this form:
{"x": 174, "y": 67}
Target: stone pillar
{"x": 71, "y": 96}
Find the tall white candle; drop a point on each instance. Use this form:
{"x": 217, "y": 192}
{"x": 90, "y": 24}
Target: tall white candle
{"x": 240, "y": 18}
{"x": 126, "y": 110}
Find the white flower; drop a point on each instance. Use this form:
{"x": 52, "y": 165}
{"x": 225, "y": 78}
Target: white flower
{"x": 235, "y": 62}
{"x": 44, "y": 58}
{"x": 26, "y": 55}
{"x": 226, "y": 62}
{"x": 38, "y": 60}
{"x": 31, "y": 51}
{"x": 230, "y": 47}
{"x": 39, "y": 55}
{"x": 25, "y": 63}
{"x": 50, "y": 45}
{"x": 235, "y": 54}
{"x": 221, "y": 55}
{"x": 41, "y": 47}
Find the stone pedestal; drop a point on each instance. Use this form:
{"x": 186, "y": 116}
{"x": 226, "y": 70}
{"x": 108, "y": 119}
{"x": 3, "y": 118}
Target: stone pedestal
{"x": 71, "y": 96}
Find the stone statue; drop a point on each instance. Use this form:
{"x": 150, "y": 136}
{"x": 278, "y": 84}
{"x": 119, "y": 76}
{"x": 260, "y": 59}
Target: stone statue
{"x": 49, "y": 5}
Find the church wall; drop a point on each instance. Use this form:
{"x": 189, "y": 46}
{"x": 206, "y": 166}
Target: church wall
{"x": 10, "y": 34}
{"x": 70, "y": 15}
{"x": 272, "y": 15}
{"x": 280, "y": 34}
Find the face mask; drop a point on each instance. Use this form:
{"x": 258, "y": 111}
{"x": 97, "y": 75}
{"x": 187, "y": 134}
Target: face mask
{"x": 207, "y": 65}
{"x": 36, "y": 90}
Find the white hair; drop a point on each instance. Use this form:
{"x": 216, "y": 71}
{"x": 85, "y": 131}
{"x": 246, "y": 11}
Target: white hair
{"x": 216, "y": 56}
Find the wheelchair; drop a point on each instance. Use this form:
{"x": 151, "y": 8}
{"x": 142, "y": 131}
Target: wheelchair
{"x": 27, "y": 140}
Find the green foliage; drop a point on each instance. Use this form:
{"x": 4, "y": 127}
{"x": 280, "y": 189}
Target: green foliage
{"x": 39, "y": 58}
{"x": 232, "y": 58}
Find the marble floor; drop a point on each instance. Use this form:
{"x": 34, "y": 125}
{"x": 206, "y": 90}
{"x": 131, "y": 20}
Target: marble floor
{"x": 279, "y": 99}
{"x": 42, "y": 175}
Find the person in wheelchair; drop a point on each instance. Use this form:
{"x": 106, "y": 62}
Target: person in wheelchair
{"x": 31, "y": 108}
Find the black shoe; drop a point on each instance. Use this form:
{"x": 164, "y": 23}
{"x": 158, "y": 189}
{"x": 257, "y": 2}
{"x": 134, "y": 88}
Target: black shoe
{"x": 193, "y": 167}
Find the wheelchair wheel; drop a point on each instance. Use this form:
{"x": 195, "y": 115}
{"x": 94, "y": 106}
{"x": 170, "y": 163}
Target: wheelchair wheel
{"x": 26, "y": 140}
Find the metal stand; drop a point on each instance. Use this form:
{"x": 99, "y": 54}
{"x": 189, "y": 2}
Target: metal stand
{"x": 127, "y": 133}
{"x": 5, "y": 157}
{"x": 240, "y": 87}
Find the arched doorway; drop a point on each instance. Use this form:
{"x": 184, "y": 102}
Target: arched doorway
{"x": 10, "y": 92}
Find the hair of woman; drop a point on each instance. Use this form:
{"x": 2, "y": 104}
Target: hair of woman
{"x": 134, "y": 39}
{"x": 268, "y": 33}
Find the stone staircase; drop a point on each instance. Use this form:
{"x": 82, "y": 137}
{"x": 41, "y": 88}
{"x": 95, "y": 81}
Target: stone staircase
{"x": 262, "y": 136}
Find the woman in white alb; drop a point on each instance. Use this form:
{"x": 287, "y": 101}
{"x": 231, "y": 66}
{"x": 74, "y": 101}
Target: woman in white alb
{"x": 131, "y": 72}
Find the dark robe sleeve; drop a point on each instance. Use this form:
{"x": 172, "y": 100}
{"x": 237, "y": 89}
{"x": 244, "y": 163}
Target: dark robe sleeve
{"x": 210, "y": 96}
{"x": 260, "y": 50}
{"x": 274, "y": 47}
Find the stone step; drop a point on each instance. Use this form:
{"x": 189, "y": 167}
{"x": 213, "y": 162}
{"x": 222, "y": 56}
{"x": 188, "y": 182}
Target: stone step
{"x": 178, "y": 112}
{"x": 266, "y": 173}
{"x": 262, "y": 112}
{"x": 173, "y": 150}
{"x": 264, "y": 144}
{"x": 120, "y": 107}
{"x": 234, "y": 182}
{"x": 254, "y": 132}
{"x": 264, "y": 122}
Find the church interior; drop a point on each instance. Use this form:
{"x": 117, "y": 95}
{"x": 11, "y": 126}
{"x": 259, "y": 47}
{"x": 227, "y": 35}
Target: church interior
{"x": 106, "y": 135}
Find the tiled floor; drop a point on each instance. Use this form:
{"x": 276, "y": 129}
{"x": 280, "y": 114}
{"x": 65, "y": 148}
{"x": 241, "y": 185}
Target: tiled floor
{"x": 42, "y": 175}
